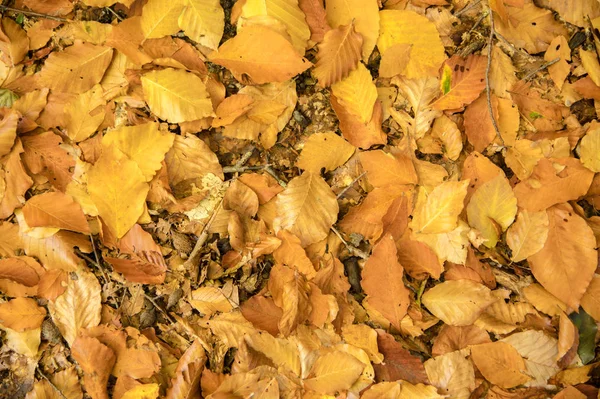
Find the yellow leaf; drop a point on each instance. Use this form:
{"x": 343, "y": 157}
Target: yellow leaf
{"x": 144, "y": 144}
{"x": 78, "y": 307}
{"x": 118, "y": 188}
{"x": 21, "y": 314}
{"x": 357, "y": 93}
{"x": 448, "y": 133}
{"x": 307, "y": 208}
{"x": 364, "y": 13}
{"x": 281, "y": 351}
{"x": 502, "y": 73}
{"x": 500, "y": 364}
{"x": 451, "y": 246}
{"x": 458, "y": 302}
{"x": 383, "y": 390}
{"x": 191, "y": 158}
{"x": 419, "y": 93}
{"x": 437, "y": 212}
{"x": 230, "y": 328}
{"x": 539, "y": 351}
{"x": 339, "y": 53}
{"x": 530, "y": 27}
{"x": 522, "y": 157}
{"x": 25, "y": 343}
{"x": 333, "y": 372}
{"x": 84, "y": 114}
{"x": 395, "y": 60}
{"x": 324, "y": 150}
{"x": 176, "y": 95}
{"x": 492, "y": 209}
{"x": 462, "y": 81}
{"x": 384, "y": 169}
{"x": 528, "y": 235}
{"x": 382, "y": 282}
{"x": 203, "y": 21}
{"x": 76, "y": 69}
{"x": 407, "y": 27}
{"x": 418, "y": 391}
{"x": 258, "y": 55}
{"x": 160, "y": 18}
{"x": 55, "y": 209}
{"x": 143, "y": 391}
{"x": 559, "y": 48}
{"x": 364, "y": 337}
{"x": 285, "y": 11}
{"x": 566, "y": 264}
{"x": 544, "y": 301}
{"x": 8, "y": 133}
{"x": 589, "y": 149}
{"x": 591, "y": 299}
{"x": 453, "y": 373}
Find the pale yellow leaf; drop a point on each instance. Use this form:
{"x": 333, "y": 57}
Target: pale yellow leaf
{"x": 281, "y": 351}
{"x": 143, "y": 391}
{"x": 451, "y": 246}
{"x": 230, "y": 327}
{"x": 324, "y": 150}
{"x": 25, "y": 343}
{"x": 589, "y": 149}
{"x": 419, "y": 93}
{"x": 210, "y": 300}
{"x": 203, "y": 21}
{"x": 160, "y": 18}
{"x": 364, "y": 13}
{"x": 176, "y": 95}
{"x": 76, "y": 69}
{"x": 357, "y": 93}
{"x": 407, "y": 27}
{"x": 522, "y": 157}
{"x": 307, "y": 208}
{"x": 84, "y": 115}
{"x": 333, "y": 372}
{"x": 118, "y": 188}
{"x": 418, "y": 391}
{"x": 544, "y": 301}
{"x": 453, "y": 373}
{"x": 591, "y": 299}
{"x": 458, "y": 302}
{"x": 492, "y": 209}
{"x": 364, "y": 337}
{"x": 78, "y": 307}
{"x": 437, "y": 212}
{"x": 144, "y": 144}
{"x": 191, "y": 158}
{"x": 539, "y": 351}
{"x": 285, "y": 11}
{"x": 528, "y": 235}
{"x": 500, "y": 364}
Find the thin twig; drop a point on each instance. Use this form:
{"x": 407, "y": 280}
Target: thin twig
{"x": 114, "y": 13}
{"x": 466, "y": 8}
{"x": 349, "y": 186}
{"x": 240, "y": 169}
{"x": 541, "y": 68}
{"x": 270, "y": 171}
{"x": 50, "y": 382}
{"x": 481, "y": 18}
{"x": 34, "y": 14}
{"x": 488, "y": 91}
{"x": 148, "y": 297}
{"x": 351, "y": 248}
{"x": 202, "y": 237}
{"x": 98, "y": 260}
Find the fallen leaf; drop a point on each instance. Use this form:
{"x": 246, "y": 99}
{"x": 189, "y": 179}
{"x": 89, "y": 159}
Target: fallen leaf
{"x": 185, "y": 383}
{"x": 384, "y": 169}
{"x": 539, "y": 351}
{"x": 160, "y": 18}
{"x": 452, "y": 373}
{"x": 21, "y": 314}
{"x": 398, "y": 363}
{"x": 55, "y": 209}
{"x": 96, "y": 360}
{"x": 361, "y": 135}
{"x": 453, "y": 338}
{"x": 437, "y": 212}
{"x": 365, "y": 15}
{"x": 324, "y": 150}
{"x": 339, "y": 54}
{"x": 357, "y": 93}
{"x": 333, "y": 372}
{"x": 203, "y": 22}
{"x": 462, "y": 81}
{"x": 500, "y": 364}
{"x": 528, "y": 234}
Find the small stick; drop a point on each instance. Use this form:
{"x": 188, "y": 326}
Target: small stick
{"x": 159, "y": 308}
{"x": 541, "y": 68}
{"x": 202, "y": 237}
{"x": 114, "y": 13}
{"x": 239, "y": 169}
{"x": 488, "y": 91}
{"x": 349, "y": 186}
{"x": 351, "y": 248}
{"x": 50, "y": 382}
{"x": 270, "y": 171}
{"x": 466, "y": 8}
{"x": 98, "y": 260}
{"x": 34, "y": 14}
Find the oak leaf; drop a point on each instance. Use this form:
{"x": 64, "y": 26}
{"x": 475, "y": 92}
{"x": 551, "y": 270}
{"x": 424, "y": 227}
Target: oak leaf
{"x": 500, "y": 364}
{"x": 437, "y": 212}
{"x": 566, "y": 264}
{"x": 324, "y": 150}
{"x": 462, "y": 81}
{"x": 458, "y": 302}
{"x": 118, "y": 188}
{"x": 176, "y": 95}
{"x": 306, "y": 208}
{"x": 408, "y": 27}
{"x": 260, "y": 55}
{"x": 21, "y": 314}
{"x": 339, "y": 54}
{"x": 528, "y": 234}
{"x": 382, "y": 282}
{"x": 55, "y": 209}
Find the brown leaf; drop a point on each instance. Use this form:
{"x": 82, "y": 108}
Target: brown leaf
{"x": 500, "y": 364}
{"x": 290, "y": 292}
{"x": 21, "y": 314}
{"x": 241, "y": 198}
{"x": 382, "y": 282}
{"x": 418, "y": 259}
{"x": 316, "y": 18}
{"x": 9, "y": 239}
{"x": 262, "y": 313}
{"x": 451, "y": 338}
{"x": 265, "y": 186}
{"x": 52, "y": 284}
{"x": 17, "y": 269}
{"x": 398, "y": 363}
{"x": 96, "y": 360}
{"x": 478, "y": 125}
{"x": 43, "y": 155}
{"x": 339, "y": 53}
{"x": 15, "y": 179}
{"x": 55, "y": 209}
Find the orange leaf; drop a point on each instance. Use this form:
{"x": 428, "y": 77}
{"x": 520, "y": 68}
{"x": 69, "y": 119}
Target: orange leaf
{"x": 258, "y": 55}
{"x": 385, "y": 169}
{"x": 262, "y": 313}
{"x": 382, "y": 282}
{"x": 18, "y": 270}
{"x": 451, "y": 338}
{"x": 55, "y": 209}
{"x": 500, "y": 364}
{"x": 96, "y": 360}
{"x": 362, "y": 135}
{"x": 16, "y": 179}
{"x": 566, "y": 264}
{"x": 43, "y": 155}
{"x": 418, "y": 259}
{"x": 21, "y": 314}
{"x": 290, "y": 292}
{"x": 339, "y": 53}
{"x": 52, "y": 284}
{"x": 186, "y": 382}
{"x": 462, "y": 81}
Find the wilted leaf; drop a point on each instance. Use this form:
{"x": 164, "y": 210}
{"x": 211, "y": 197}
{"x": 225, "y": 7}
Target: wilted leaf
{"x": 339, "y": 54}
{"x": 78, "y": 307}
{"x": 500, "y": 364}
{"x": 408, "y": 27}
{"x": 260, "y": 55}
{"x": 566, "y": 264}
{"x": 307, "y": 208}
{"x": 458, "y": 302}
{"x": 176, "y": 95}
